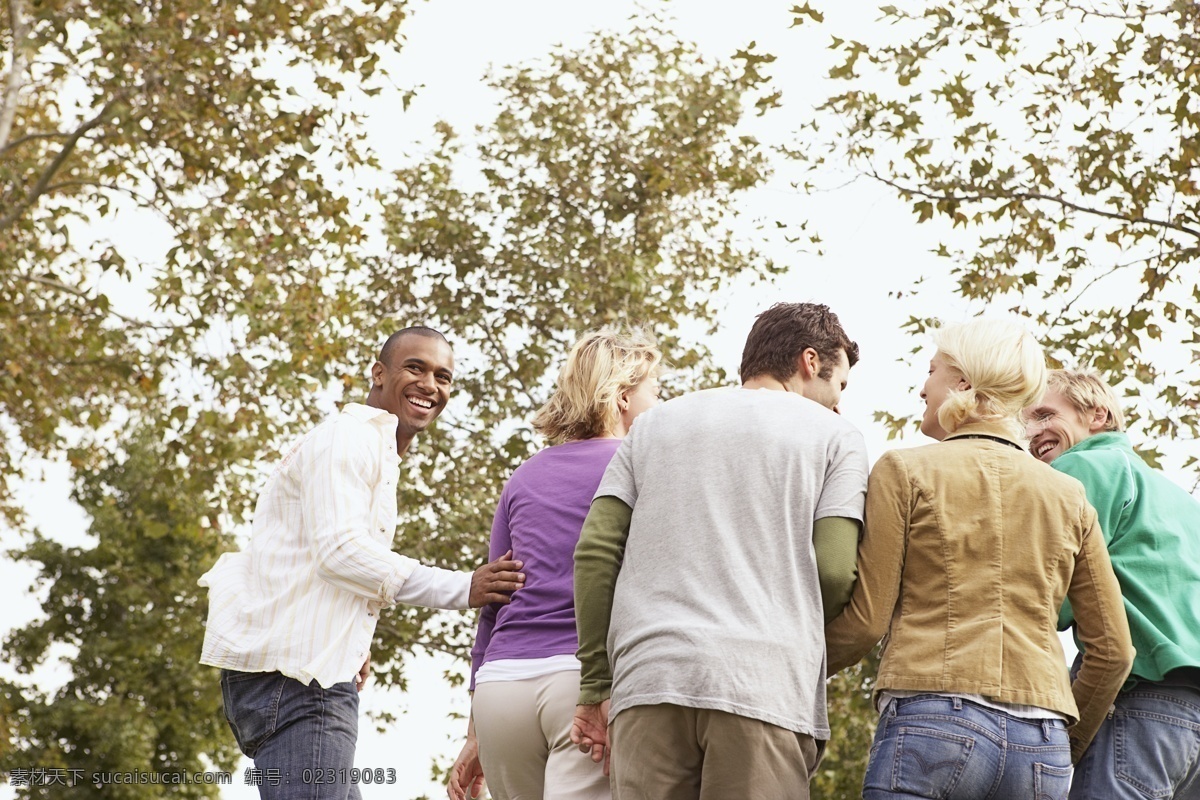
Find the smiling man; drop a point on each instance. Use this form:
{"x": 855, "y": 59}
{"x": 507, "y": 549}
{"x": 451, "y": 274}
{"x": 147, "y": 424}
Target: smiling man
{"x": 1148, "y": 746}
{"x": 292, "y": 616}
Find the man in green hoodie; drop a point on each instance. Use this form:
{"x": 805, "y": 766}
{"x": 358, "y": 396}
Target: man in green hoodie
{"x": 1150, "y": 744}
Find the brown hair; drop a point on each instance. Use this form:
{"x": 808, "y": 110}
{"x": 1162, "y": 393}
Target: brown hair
{"x": 784, "y": 331}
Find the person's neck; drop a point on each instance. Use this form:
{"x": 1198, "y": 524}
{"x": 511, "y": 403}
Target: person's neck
{"x": 766, "y": 382}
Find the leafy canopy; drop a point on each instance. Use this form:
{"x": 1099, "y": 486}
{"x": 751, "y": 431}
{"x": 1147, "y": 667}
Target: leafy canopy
{"x": 1054, "y": 148}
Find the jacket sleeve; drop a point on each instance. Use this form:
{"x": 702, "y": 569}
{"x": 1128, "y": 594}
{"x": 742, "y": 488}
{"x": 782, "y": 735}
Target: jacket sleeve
{"x": 1103, "y": 630}
{"x": 880, "y": 564}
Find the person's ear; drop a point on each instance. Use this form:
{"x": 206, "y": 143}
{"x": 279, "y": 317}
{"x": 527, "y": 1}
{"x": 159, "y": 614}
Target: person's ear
{"x": 1098, "y": 421}
{"x": 377, "y": 370}
{"x": 809, "y": 363}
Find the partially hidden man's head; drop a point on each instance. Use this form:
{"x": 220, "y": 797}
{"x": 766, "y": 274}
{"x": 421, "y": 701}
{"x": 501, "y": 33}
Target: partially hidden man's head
{"x": 803, "y": 346}
{"x": 1077, "y": 406}
{"x": 413, "y": 376}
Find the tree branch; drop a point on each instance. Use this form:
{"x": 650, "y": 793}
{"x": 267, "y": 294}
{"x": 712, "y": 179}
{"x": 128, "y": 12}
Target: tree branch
{"x": 71, "y": 290}
{"x": 975, "y": 196}
{"x": 1094, "y": 12}
{"x": 48, "y": 174}
{"x": 15, "y": 143}
{"x": 17, "y": 75}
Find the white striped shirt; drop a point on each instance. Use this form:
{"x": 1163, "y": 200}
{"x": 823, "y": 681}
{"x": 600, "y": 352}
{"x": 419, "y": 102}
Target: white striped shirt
{"x": 304, "y": 596}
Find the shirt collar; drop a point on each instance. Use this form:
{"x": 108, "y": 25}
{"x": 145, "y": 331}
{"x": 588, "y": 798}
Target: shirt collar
{"x": 997, "y": 430}
{"x": 369, "y": 414}
{"x": 1108, "y": 440}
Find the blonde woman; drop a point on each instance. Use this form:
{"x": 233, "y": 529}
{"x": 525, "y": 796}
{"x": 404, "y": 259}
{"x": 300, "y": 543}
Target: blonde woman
{"x": 524, "y": 673}
{"x": 969, "y": 549}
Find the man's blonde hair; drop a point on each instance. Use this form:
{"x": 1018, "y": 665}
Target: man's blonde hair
{"x": 1005, "y": 367}
{"x": 1087, "y": 391}
{"x": 602, "y": 364}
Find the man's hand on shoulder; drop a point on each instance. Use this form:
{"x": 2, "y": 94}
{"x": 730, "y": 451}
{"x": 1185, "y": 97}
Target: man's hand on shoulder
{"x": 495, "y": 581}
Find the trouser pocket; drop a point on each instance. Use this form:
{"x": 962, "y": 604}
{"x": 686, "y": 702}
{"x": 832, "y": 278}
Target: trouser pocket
{"x": 1051, "y": 782}
{"x": 251, "y": 701}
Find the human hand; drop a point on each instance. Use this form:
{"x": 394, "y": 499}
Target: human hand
{"x": 589, "y": 730}
{"x": 364, "y": 672}
{"x": 495, "y": 581}
{"x": 466, "y": 776}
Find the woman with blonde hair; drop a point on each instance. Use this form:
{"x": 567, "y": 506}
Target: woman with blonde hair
{"x": 970, "y": 547}
{"x": 524, "y": 673}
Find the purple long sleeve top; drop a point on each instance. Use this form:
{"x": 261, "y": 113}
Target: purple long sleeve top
{"x": 539, "y": 516}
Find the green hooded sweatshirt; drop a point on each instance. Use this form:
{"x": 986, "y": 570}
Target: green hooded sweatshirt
{"x": 1152, "y": 527}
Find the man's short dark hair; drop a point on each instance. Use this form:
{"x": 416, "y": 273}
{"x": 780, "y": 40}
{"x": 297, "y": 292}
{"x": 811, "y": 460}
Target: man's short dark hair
{"x": 784, "y": 331}
{"x": 385, "y": 352}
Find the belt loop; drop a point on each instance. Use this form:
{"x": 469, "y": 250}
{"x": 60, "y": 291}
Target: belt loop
{"x": 957, "y": 703}
{"x": 1047, "y": 726}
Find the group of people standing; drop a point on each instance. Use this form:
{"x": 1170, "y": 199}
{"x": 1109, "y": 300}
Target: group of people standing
{"x": 670, "y": 585}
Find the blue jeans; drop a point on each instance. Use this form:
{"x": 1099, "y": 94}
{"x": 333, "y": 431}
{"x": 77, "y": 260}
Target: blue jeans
{"x": 945, "y": 748}
{"x": 1149, "y": 747}
{"x": 301, "y": 737}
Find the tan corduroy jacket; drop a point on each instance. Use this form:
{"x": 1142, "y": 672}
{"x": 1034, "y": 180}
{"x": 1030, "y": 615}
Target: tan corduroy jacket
{"x": 969, "y": 547}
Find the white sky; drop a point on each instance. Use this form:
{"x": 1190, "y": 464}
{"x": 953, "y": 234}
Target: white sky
{"x": 872, "y": 245}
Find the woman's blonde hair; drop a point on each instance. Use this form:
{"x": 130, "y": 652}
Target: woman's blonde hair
{"x": 1005, "y": 367}
{"x": 602, "y": 364}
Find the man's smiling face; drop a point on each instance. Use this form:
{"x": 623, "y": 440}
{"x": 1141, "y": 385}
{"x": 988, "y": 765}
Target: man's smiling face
{"x": 1054, "y": 426}
{"x": 415, "y": 384}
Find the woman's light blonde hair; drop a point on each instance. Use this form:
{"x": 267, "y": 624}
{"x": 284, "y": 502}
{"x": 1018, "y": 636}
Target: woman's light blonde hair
{"x": 1087, "y": 391}
{"x": 1005, "y": 367}
{"x": 601, "y": 366}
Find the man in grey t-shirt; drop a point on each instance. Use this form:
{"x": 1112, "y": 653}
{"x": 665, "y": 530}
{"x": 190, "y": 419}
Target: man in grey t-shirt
{"x": 721, "y": 539}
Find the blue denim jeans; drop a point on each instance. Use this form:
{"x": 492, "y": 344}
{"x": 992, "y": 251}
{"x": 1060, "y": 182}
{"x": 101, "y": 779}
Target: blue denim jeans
{"x": 944, "y": 748}
{"x": 1149, "y": 747}
{"x": 301, "y": 738}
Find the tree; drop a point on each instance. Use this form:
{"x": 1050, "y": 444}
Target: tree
{"x": 220, "y": 126}
{"x": 1054, "y": 150}
{"x": 137, "y": 699}
{"x": 607, "y": 183}
{"x": 1063, "y": 139}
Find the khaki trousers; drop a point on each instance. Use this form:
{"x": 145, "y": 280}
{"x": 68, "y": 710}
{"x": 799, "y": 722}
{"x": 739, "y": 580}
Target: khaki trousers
{"x": 524, "y": 733}
{"x": 669, "y": 752}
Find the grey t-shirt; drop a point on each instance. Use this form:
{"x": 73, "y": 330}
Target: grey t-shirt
{"x": 717, "y": 603}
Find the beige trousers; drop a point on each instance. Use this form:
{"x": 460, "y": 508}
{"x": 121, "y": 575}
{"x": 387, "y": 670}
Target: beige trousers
{"x": 524, "y": 733}
{"x": 669, "y": 752}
